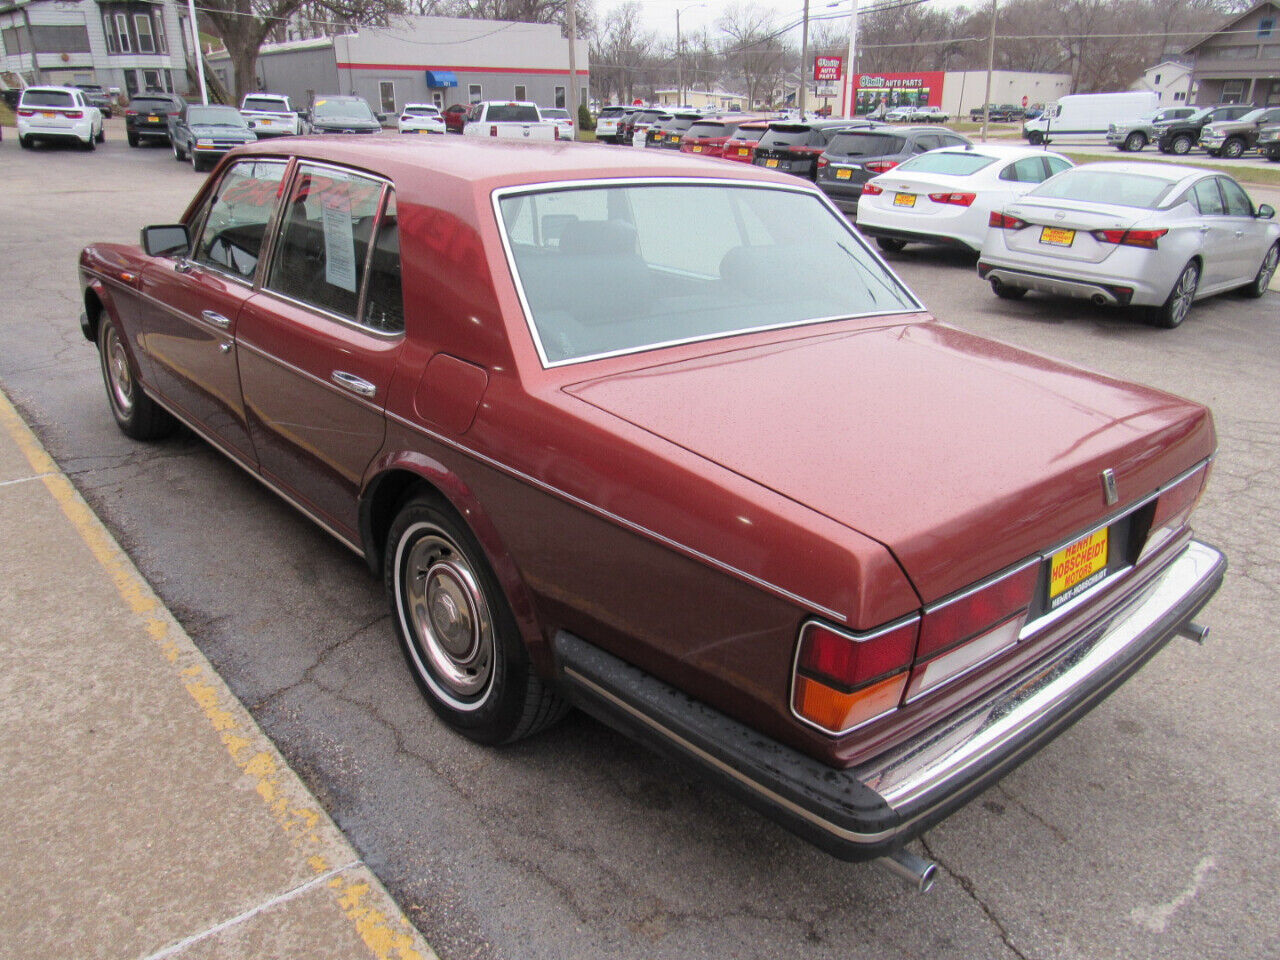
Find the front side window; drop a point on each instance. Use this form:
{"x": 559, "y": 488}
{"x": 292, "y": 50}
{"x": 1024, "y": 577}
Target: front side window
{"x": 233, "y": 231}
{"x": 1238, "y": 203}
{"x": 761, "y": 258}
{"x": 324, "y": 239}
{"x": 1207, "y": 198}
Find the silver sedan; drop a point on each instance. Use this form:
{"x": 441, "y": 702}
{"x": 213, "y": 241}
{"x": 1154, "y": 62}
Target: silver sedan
{"x": 1143, "y": 234}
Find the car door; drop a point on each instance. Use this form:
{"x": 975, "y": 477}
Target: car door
{"x": 194, "y": 302}
{"x": 1217, "y": 232}
{"x": 318, "y": 344}
{"x": 1247, "y": 235}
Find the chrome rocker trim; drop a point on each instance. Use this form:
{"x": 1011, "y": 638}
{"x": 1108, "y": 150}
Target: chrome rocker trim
{"x": 866, "y": 811}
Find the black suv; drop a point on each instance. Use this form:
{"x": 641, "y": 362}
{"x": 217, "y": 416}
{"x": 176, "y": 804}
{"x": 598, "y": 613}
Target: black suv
{"x": 1179, "y": 136}
{"x": 669, "y": 133}
{"x": 793, "y": 146}
{"x": 96, "y": 95}
{"x": 147, "y": 116}
{"x": 855, "y": 156}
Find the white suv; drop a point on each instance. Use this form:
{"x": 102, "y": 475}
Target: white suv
{"x": 58, "y": 113}
{"x": 270, "y": 115}
{"x": 420, "y": 118}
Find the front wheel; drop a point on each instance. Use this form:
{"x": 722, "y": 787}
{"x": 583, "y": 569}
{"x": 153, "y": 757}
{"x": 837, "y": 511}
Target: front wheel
{"x": 177, "y": 153}
{"x": 1273, "y": 154}
{"x": 1035, "y": 138}
{"x": 136, "y": 414}
{"x": 1260, "y": 284}
{"x": 132, "y": 138}
{"x": 1181, "y": 144}
{"x": 1175, "y": 309}
{"x": 1134, "y": 142}
{"x": 890, "y": 244}
{"x": 457, "y": 632}
{"x": 1233, "y": 148}
{"x": 102, "y": 135}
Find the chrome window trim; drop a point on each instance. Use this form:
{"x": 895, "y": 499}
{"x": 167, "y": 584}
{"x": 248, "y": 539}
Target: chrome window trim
{"x": 620, "y": 521}
{"x": 557, "y": 186}
{"x": 856, "y": 637}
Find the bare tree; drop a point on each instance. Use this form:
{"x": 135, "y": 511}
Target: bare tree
{"x": 620, "y": 51}
{"x": 752, "y": 48}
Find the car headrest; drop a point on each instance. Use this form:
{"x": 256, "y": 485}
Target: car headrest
{"x": 598, "y": 237}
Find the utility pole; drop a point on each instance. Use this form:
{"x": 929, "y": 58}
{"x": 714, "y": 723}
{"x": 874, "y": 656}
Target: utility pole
{"x": 679, "y": 63}
{"x": 804, "y": 58}
{"x": 572, "y": 24}
{"x": 851, "y": 67}
{"x": 197, "y": 52}
{"x": 991, "y": 63}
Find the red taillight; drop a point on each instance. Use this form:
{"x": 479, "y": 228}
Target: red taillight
{"x": 1003, "y": 221}
{"x": 74, "y": 114}
{"x": 1130, "y": 238}
{"x": 823, "y": 163}
{"x": 881, "y": 166}
{"x": 845, "y": 679}
{"x": 1173, "y": 509}
{"x": 956, "y": 199}
{"x": 131, "y": 113}
{"x": 871, "y": 190}
{"x": 493, "y": 131}
{"x": 957, "y": 634}
{"x": 26, "y": 113}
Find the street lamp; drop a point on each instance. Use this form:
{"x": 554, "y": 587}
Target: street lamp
{"x": 680, "y": 53}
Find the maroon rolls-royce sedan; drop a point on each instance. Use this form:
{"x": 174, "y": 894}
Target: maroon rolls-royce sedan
{"x": 669, "y": 442}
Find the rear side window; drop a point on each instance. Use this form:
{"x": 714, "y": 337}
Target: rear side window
{"x": 956, "y": 164}
{"x": 1057, "y": 165}
{"x": 324, "y": 239}
{"x": 231, "y": 238}
{"x": 512, "y": 113}
{"x": 1026, "y": 170}
{"x": 47, "y": 98}
{"x": 865, "y": 144}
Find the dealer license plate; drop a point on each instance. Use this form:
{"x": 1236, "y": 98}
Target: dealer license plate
{"x": 904, "y": 199}
{"x": 48, "y": 114}
{"x": 843, "y": 174}
{"x": 1057, "y": 237}
{"x": 771, "y": 163}
{"x": 743, "y": 151}
{"x": 697, "y": 149}
{"x": 1076, "y": 568}
{"x": 153, "y": 119}
{"x": 265, "y": 123}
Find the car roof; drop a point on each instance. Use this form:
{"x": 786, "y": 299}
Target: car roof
{"x": 1001, "y": 151}
{"x": 421, "y": 106}
{"x": 51, "y": 88}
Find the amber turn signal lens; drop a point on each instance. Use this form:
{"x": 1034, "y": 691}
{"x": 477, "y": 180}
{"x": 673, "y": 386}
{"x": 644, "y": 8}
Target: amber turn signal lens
{"x": 839, "y": 712}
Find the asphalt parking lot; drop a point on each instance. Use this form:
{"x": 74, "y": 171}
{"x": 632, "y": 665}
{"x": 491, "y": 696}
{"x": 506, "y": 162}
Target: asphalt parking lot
{"x": 1146, "y": 831}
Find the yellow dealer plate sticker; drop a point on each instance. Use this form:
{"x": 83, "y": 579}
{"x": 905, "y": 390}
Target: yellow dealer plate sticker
{"x": 743, "y": 151}
{"x": 771, "y": 163}
{"x": 844, "y": 174}
{"x": 904, "y": 199}
{"x": 1057, "y": 237}
{"x": 697, "y": 149}
{"x": 1076, "y": 568}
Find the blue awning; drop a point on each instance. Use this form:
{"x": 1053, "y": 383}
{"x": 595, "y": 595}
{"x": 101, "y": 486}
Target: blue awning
{"x": 441, "y": 78}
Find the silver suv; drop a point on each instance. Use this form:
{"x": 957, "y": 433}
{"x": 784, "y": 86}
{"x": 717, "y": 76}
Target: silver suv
{"x": 1136, "y": 134}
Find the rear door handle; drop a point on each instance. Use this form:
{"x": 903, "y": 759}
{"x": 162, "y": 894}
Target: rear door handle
{"x": 350, "y": 381}
{"x": 217, "y": 319}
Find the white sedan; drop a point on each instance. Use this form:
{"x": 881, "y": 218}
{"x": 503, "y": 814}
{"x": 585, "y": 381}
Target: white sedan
{"x": 1142, "y": 234}
{"x": 420, "y": 118}
{"x": 562, "y": 119}
{"x": 946, "y": 196}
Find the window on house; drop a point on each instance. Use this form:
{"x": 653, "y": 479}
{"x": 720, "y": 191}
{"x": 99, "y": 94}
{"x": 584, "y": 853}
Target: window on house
{"x": 474, "y": 93}
{"x": 153, "y": 80}
{"x": 146, "y": 39}
{"x": 1233, "y": 91}
{"x": 387, "y": 95}
{"x": 122, "y": 33}
{"x": 162, "y": 41}
{"x": 109, "y": 32}
{"x": 1266, "y": 26}
{"x": 560, "y": 96}
{"x": 1157, "y": 78}
{"x": 521, "y": 93}
{"x": 1179, "y": 97}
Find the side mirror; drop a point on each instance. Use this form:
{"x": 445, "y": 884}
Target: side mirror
{"x": 1265, "y": 211}
{"x": 166, "y": 240}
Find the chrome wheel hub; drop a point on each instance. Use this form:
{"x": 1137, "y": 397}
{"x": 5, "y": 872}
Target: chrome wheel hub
{"x": 449, "y": 616}
{"x": 119, "y": 379}
{"x": 1268, "y": 268}
{"x": 1184, "y": 294}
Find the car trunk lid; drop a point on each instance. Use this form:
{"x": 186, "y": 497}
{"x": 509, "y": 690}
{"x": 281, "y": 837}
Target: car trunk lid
{"x": 960, "y": 455}
{"x": 1064, "y": 230}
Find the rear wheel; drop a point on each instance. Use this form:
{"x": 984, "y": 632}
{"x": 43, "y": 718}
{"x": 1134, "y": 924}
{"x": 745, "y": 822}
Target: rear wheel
{"x": 89, "y": 144}
{"x": 890, "y": 244}
{"x": 457, "y": 632}
{"x": 1232, "y": 149}
{"x": 1035, "y": 138}
{"x": 132, "y": 138}
{"x": 1181, "y": 144}
{"x": 102, "y": 135}
{"x": 24, "y": 142}
{"x": 177, "y": 152}
{"x": 1135, "y": 141}
{"x": 137, "y": 415}
{"x": 1259, "y": 285}
{"x": 1007, "y": 292}
{"x": 1175, "y": 309}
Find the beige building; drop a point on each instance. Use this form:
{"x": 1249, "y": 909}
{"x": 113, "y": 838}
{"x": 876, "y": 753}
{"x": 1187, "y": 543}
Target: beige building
{"x": 700, "y": 99}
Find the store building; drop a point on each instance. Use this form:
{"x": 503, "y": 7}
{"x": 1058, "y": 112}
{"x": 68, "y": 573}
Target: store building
{"x": 1240, "y": 61}
{"x": 441, "y": 60}
{"x": 130, "y": 45}
{"x": 956, "y": 91}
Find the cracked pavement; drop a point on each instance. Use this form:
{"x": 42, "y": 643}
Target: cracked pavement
{"x": 578, "y": 843}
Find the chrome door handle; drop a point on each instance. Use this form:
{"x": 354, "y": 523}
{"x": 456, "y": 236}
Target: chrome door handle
{"x": 217, "y": 319}
{"x": 353, "y": 383}
{"x": 182, "y": 266}
{"x": 1204, "y": 229}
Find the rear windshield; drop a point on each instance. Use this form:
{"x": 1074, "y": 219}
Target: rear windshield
{"x": 143, "y": 104}
{"x": 422, "y": 111}
{"x": 679, "y": 123}
{"x": 761, "y": 258}
{"x": 47, "y": 98}
{"x": 866, "y": 144}
{"x": 954, "y": 163}
{"x": 706, "y": 128}
{"x": 555, "y": 113}
{"x": 265, "y": 104}
{"x": 512, "y": 113}
{"x": 648, "y": 116}
{"x": 612, "y": 112}
{"x": 1106, "y": 186}
{"x": 749, "y": 133}
{"x": 786, "y": 136}
{"x": 343, "y": 110}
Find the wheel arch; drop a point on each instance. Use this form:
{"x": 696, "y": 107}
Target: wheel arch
{"x": 401, "y": 476}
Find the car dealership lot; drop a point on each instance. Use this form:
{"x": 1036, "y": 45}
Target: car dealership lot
{"x": 1146, "y": 831}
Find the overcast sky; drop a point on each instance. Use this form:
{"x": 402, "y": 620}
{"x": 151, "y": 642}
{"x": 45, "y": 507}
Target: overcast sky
{"x": 659, "y": 16}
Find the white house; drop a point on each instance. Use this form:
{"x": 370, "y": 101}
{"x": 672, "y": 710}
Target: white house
{"x": 133, "y": 45}
{"x": 1170, "y": 80}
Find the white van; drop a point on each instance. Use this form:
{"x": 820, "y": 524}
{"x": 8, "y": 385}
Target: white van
{"x": 1086, "y": 116}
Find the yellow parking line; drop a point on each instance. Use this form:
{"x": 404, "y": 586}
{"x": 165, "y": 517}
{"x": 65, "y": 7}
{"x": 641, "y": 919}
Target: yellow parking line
{"x": 387, "y": 937}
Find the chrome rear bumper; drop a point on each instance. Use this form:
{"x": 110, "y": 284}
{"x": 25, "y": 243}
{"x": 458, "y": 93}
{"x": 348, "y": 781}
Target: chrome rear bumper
{"x": 865, "y": 811}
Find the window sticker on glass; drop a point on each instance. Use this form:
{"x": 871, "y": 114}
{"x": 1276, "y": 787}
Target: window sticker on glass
{"x": 339, "y": 244}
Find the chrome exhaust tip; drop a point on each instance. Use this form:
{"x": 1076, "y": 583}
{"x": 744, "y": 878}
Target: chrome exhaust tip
{"x": 1098, "y": 300}
{"x": 914, "y": 871}
{"x": 1194, "y": 631}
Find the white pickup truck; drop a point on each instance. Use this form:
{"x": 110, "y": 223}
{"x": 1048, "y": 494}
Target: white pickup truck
{"x": 271, "y": 115}
{"x": 509, "y": 120}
